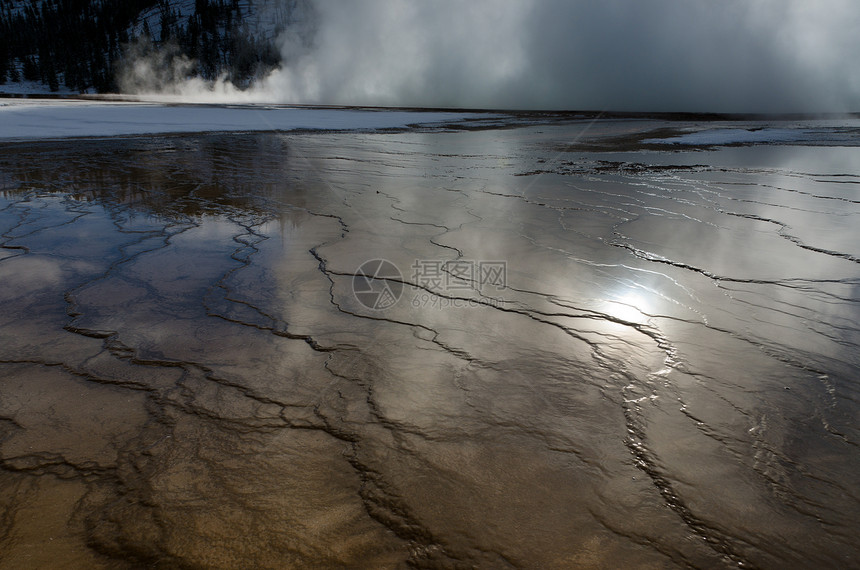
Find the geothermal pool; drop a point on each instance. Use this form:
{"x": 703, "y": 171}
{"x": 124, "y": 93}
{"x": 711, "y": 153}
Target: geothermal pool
{"x": 530, "y": 342}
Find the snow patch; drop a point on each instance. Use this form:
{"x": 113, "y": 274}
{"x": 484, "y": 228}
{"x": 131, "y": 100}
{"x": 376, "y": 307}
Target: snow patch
{"x": 40, "y": 119}
{"x": 33, "y": 88}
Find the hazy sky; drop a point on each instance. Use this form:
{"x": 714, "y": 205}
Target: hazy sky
{"x": 649, "y": 55}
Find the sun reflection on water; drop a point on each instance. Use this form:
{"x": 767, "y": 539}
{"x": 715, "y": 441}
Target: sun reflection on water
{"x": 630, "y": 307}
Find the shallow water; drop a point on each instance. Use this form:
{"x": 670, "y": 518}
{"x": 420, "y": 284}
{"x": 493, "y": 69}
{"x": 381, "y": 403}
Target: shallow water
{"x": 585, "y": 355}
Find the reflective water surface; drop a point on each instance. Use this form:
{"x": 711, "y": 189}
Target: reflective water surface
{"x": 596, "y": 357}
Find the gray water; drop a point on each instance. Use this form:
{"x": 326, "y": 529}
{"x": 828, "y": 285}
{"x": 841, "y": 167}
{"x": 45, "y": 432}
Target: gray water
{"x": 582, "y": 351}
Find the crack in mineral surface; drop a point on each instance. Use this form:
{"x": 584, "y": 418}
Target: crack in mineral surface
{"x": 664, "y": 375}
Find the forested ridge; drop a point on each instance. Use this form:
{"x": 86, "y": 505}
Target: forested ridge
{"x": 79, "y": 45}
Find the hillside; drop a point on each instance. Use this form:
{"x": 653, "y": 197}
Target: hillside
{"x": 81, "y": 45}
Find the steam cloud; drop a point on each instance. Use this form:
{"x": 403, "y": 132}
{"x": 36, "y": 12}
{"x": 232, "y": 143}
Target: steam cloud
{"x": 644, "y": 55}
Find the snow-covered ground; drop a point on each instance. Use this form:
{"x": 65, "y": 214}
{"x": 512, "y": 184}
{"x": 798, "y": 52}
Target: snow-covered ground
{"x": 22, "y": 119}
{"x": 32, "y": 88}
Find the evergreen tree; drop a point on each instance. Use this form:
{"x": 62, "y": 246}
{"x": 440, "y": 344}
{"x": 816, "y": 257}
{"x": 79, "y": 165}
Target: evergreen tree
{"x": 80, "y": 42}
{"x": 51, "y": 76}
{"x": 4, "y": 61}
{"x": 31, "y": 70}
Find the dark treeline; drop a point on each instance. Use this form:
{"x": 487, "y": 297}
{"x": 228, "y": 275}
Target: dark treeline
{"x": 80, "y": 44}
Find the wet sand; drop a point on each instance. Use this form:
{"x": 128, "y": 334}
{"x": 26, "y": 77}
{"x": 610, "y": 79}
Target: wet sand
{"x": 594, "y": 352}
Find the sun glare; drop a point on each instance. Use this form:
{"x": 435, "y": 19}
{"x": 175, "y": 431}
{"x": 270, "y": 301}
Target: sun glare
{"x": 628, "y": 307}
